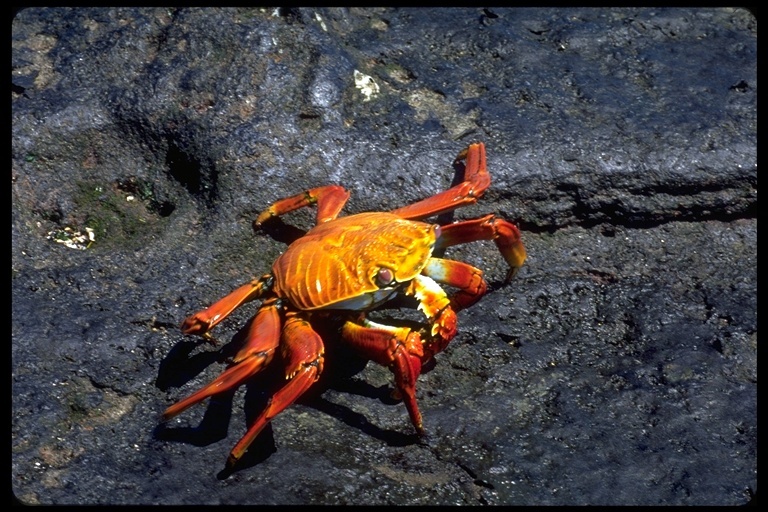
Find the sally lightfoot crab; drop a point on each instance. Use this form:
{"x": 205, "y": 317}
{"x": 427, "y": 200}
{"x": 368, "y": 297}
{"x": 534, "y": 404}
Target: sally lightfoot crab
{"x": 348, "y": 266}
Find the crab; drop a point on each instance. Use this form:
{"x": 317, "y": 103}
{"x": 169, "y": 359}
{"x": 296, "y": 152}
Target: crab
{"x": 348, "y": 266}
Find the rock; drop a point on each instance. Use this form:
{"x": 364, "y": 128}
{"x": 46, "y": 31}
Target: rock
{"x": 618, "y": 368}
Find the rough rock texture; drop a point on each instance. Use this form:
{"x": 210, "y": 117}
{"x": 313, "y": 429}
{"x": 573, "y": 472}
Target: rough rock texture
{"x": 619, "y": 367}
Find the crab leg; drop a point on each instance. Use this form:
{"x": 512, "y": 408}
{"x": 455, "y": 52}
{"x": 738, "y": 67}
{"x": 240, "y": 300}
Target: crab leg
{"x": 261, "y": 342}
{"x": 202, "y": 322}
{"x": 476, "y": 180}
{"x": 399, "y": 349}
{"x": 402, "y": 349}
{"x": 330, "y": 199}
{"x": 302, "y": 351}
{"x": 502, "y": 232}
{"x": 468, "y": 279}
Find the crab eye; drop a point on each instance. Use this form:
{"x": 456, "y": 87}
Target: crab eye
{"x": 438, "y": 231}
{"x": 384, "y": 277}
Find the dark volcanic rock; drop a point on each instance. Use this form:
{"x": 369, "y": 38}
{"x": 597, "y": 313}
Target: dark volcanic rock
{"x": 619, "y": 367}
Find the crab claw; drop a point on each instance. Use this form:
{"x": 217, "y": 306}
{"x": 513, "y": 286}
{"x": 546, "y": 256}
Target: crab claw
{"x": 398, "y": 348}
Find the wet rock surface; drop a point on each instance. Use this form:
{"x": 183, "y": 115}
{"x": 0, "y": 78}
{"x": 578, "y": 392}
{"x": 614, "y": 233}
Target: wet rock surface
{"x": 619, "y": 367}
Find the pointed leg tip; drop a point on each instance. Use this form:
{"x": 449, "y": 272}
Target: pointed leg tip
{"x": 208, "y": 338}
{"x": 511, "y": 273}
{"x": 193, "y": 326}
{"x": 231, "y": 462}
{"x": 187, "y": 327}
{"x": 170, "y": 413}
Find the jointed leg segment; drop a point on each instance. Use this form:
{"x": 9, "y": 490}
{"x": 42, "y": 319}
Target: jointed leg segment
{"x": 202, "y": 322}
{"x": 505, "y": 235}
{"x": 303, "y": 352}
{"x": 468, "y": 279}
{"x": 476, "y": 181}
{"x": 262, "y": 340}
{"x": 330, "y": 199}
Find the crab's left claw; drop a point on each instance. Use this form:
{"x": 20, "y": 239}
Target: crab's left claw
{"x": 399, "y": 349}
